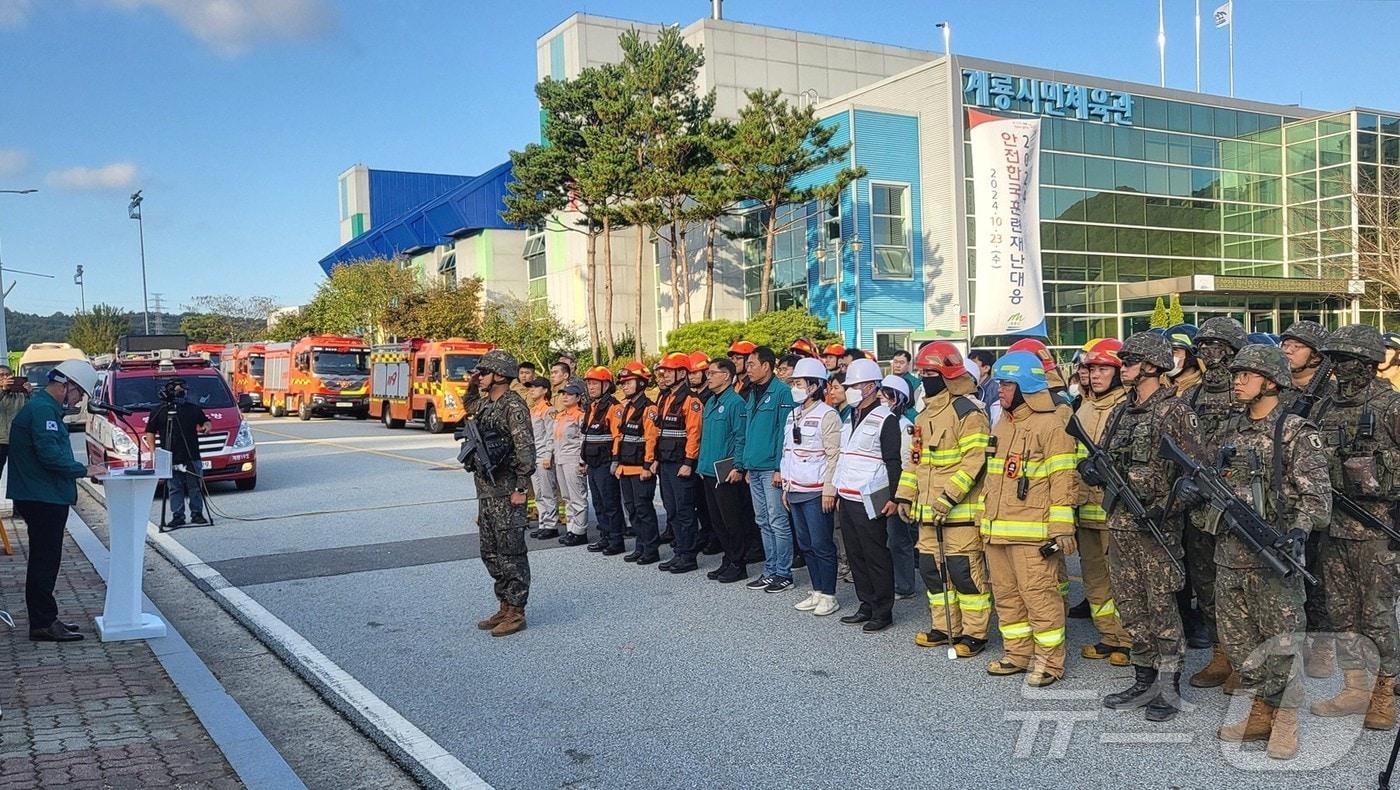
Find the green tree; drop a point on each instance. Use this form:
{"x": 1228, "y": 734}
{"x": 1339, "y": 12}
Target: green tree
{"x": 778, "y": 329}
{"x": 1175, "y": 315}
{"x": 441, "y": 312}
{"x": 713, "y": 337}
{"x": 774, "y": 144}
{"x": 715, "y": 197}
{"x": 528, "y": 330}
{"x": 1160, "y": 319}
{"x": 363, "y": 298}
{"x": 96, "y": 331}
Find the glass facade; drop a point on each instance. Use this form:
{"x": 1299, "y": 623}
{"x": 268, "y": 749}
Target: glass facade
{"x": 789, "y": 277}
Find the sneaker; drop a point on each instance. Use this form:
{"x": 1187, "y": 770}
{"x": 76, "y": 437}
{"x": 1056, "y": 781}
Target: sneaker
{"x": 904, "y": 596}
{"x": 198, "y": 518}
{"x": 809, "y": 603}
{"x": 778, "y": 584}
{"x": 826, "y": 605}
{"x": 177, "y": 521}
{"x": 573, "y": 539}
{"x": 761, "y": 583}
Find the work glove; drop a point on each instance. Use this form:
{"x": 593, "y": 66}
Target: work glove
{"x": 906, "y": 512}
{"x": 1188, "y": 493}
{"x": 1068, "y": 544}
{"x": 1087, "y": 474}
{"x": 1296, "y": 542}
{"x": 938, "y": 510}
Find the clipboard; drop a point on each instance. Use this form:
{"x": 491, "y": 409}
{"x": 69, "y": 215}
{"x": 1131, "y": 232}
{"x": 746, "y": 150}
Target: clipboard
{"x": 876, "y": 500}
{"x": 722, "y": 469}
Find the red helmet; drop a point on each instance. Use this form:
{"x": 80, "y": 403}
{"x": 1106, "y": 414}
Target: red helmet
{"x": 598, "y": 373}
{"x": 675, "y": 361}
{"x": 804, "y": 348}
{"x": 834, "y": 350}
{"x": 1035, "y": 347}
{"x": 634, "y": 370}
{"x": 1104, "y": 352}
{"x": 742, "y": 347}
{"x": 940, "y": 356}
{"x": 699, "y": 361}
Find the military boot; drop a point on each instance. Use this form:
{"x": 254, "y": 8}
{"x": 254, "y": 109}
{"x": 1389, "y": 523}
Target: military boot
{"x": 1355, "y": 696}
{"x": 1283, "y": 736}
{"x": 514, "y": 620}
{"x": 1380, "y": 715}
{"x": 1142, "y": 691}
{"x": 1320, "y": 659}
{"x": 1233, "y": 684}
{"x": 1214, "y": 673}
{"x": 1255, "y": 726}
{"x": 493, "y": 620}
{"x": 1167, "y": 703}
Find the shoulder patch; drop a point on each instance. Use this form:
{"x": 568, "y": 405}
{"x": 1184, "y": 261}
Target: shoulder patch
{"x": 1192, "y": 420}
{"x": 963, "y": 406}
{"x": 694, "y": 404}
{"x": 1315, "y": 441}
{"x": 50, "y": 425}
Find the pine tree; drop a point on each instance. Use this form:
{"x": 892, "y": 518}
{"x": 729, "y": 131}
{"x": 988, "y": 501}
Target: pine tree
{"x": 1175, "y": 315}
{"x": 1160, "y": 319}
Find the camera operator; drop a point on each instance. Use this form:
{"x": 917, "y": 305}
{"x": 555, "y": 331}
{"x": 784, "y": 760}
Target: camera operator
{"x": 14, "y": 393}
{"x": 176, "y": 424}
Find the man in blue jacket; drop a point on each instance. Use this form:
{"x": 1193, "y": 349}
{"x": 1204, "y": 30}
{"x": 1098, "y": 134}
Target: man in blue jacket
{"x": 43, "y": 485}
{"x": 726, "y": 495}
{"x": 768, "y": 403}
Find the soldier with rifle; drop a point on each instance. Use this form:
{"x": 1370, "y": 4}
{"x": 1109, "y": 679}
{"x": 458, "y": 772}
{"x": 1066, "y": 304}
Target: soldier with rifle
{"x": 1144, "y": 564}
{"x": 1361, "y": 430}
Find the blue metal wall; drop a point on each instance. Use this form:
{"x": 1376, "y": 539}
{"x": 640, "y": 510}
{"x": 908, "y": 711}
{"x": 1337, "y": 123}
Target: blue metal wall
{"x": 393, "y": 193}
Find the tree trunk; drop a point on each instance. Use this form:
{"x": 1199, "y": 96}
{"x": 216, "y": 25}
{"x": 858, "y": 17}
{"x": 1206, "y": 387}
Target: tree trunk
{"x": 710, "y": 228}
{"x": 685, "y": 272}
{"x": 675, "y": 276}
{"x": 765, "y": 296}
{"x": 608, "y": 288}
{"x": 641, "y": 272}
{"x": 589, "y": 302}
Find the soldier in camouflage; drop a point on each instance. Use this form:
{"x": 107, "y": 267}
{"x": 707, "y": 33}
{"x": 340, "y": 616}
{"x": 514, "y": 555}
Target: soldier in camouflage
{"x": 1144, "y": 577}
{"x": 1362, "y": 432}
{"x": 503, "y": 418}
{"x": 1302, "y": 343}
{"x": 1273, "y": 461}
{"x": 1217, "y": 343}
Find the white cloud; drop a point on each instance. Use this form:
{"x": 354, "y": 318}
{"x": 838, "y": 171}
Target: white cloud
{"x": 12, "y": 161}
{"x": 118, "y": 175}
{"x": 14, "y": 13}
{"x": 231, "y": 27}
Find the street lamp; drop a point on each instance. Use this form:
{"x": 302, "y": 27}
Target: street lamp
{"x": 78, "y": 281}
{"x": 4, "y": 292}
{"x": 947, "y": 37}
{"x": 134, "y": 211}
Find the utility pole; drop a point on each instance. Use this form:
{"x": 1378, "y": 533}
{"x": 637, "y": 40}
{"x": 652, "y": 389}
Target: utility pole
{"x": 133, "y": 210}
{"x": 4, "y": 292}
{"x": 82, "y": 296}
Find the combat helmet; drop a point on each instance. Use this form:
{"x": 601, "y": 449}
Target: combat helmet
{"x": 1309, "y": 333}
{"x": 1357, "y": 340}
{"x": 1268, "y": 361}
{"x": 1153, "y": 348}
{"x": 1225, "y": 329}
{"x": 499, "y": 362}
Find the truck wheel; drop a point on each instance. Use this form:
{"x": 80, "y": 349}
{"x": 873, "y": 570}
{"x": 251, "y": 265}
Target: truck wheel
{"x": 432, "y": 421}
{"x": 276, "y": 409}
{"x": 247, "y": 483}
{"x": 304, "y": 411}
{"x": 390, "y": 422}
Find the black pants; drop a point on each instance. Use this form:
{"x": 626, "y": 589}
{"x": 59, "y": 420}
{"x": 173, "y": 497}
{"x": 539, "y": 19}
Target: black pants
{"x": 638, "y": 499}
{"x": 678, "y": 497}
{"x": 731, "y": 510}
{"x": 867, "y": 550}
{"x": 705, "y": 533}
{"x": 607, "y": 504}
{"x": 45, "y": 522}
{"x": 4, "y": 456}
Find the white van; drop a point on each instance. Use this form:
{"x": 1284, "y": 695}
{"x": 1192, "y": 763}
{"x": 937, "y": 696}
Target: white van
{"x": 35, "y": 364}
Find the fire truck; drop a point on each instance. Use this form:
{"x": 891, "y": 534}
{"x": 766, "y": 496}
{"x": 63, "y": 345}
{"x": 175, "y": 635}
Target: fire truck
{"x": 214, "y": 352}
{"x": 136, "y": 381}
{"x": 243, "y": 368}
{"x": 321, "y": 375}
{"x": 422, "y": 380}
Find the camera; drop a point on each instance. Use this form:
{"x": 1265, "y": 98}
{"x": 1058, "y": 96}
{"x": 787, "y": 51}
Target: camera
{"x": 173, "y": 391}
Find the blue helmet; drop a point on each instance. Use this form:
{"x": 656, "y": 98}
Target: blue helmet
{"x": 1023, "y": 369}
{"x": 1263, "y": 338}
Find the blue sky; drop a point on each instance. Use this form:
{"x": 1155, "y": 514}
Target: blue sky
{"x": 235, "y": 116}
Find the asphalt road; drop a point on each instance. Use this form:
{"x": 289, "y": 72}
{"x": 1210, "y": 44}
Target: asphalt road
{"x": 363, "y": 540}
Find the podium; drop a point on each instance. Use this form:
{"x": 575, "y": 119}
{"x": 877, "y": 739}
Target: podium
{"x": 129, "y": 498}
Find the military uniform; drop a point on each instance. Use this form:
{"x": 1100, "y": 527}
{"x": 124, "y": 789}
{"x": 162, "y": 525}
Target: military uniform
{"x": 1095, "y": 539}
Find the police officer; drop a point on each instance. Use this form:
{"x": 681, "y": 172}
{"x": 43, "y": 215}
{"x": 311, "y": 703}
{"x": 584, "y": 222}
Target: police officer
{"x": 1274, "y": 461}
{"x": 1212, "y": 401}
{"x": 42, "y": 483}
{"x": 677, "y": 454}
{"x": 601, "y": 415}
{"x": 1145, "y": 576}
{"x": 1362, "y": 431}
{"x": 504, "y": 422}
{"x": 1027, "y": 502}
{"x": 947, "y": 456}
{"x": 634, "y": 448}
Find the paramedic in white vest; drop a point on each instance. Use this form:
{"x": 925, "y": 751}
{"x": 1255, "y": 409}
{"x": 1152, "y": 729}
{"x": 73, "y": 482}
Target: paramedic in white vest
{"x": 811, "y": 443}
{"x": 869, "y": 464}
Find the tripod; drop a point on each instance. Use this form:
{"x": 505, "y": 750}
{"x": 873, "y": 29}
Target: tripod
{"x": 170, "y": 421}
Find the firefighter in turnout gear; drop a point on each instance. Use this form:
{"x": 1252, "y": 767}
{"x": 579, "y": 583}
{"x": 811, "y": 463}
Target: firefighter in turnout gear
{"x": 1104, "y": 391}
{"x": 1027, "y": 501}
{"x": 634, "y": 448}
{"x": 1145, "y": 576}
{"x": 504, "y": 422}
{"x": 600, "y": 420}
{"x": 1362, "y": 433}
{"x": 947, "y": 456}
{"x": 677, "y": 453}
{"x": 1275, "y": 462}
{"x": 1211, "y": 400}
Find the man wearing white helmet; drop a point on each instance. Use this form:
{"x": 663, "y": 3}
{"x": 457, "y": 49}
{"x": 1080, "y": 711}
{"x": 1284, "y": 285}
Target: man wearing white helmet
{"x": 43, "y": 485}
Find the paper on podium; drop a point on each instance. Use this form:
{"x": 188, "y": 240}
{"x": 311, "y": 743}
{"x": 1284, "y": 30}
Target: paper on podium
{"x": 161, "y": 464}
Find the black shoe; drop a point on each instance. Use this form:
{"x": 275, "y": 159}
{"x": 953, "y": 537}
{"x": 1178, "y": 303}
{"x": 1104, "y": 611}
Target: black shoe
{"x": 648, "y": 559}
{"x": 717, "y": 572}
{"x": 633, "y": 557}
{"x": 860, "y": 615}
{"x": 735, "y": 573}
{"x": 535, "y": 533}
{"x": 684, "y": 566}
{"x": 761, "y": 583}
{"x": 629, "y": 533}
{"x": 1166, "y": 704}
{"x": 547, "y": 534}
{"x": 1080, "y": 611}
{"x": 1142, "y": 691}
{"x": 711, "y": 549}
{"x": 872, "y": 626}
{"x": 177, "y": 521}
{"x": 666, "y": 537}
{"x": 198, "y": 518}
{"x": 573, "y": 539}
{"x": 778, "y": 584}
{"x": 613, "y": 551}
{"x": 598, "y": 545}
{"x": 798, "y": 561}
{"x": 54, "y": 633}
{"x": 666, "y": 566}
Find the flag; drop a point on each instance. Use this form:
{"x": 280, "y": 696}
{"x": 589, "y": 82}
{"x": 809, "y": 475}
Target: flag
{"x": 1223, "y": 14}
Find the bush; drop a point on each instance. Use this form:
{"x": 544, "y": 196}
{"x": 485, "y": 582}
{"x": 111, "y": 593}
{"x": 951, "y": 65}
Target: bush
{"x": 712, "y": 337}
{"x": 777, "y": 330}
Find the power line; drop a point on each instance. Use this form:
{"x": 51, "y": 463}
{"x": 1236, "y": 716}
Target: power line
{"x": 157, "y": 313}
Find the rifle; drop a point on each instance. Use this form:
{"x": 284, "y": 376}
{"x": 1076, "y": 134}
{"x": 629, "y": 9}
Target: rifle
{"x": 1258, "y": 534}
{"x": 1115, "y": 488}
{"x": 472, "y": 455}
{"x": 1303, "y": 406}
{"x": 1353, "y": 508}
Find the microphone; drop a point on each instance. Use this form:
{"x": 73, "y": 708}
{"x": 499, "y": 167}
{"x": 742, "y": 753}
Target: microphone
{"x": 98, "y": 407}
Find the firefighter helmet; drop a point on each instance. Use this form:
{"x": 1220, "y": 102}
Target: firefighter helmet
{"x": 674, "y": 361}
{"x": 742, "y": 347}
{"x": 634, "y": 370}
{"x": 598, "y": 373}
{"x": 1104, "y": 352}
{"x": 804, "y": 347}
{"x": 833, "y": 350}
{"x": 1183, "y": 336}
{"x": 699, "y": 362}
{"x": 941, "y": 357}
{"x": 1024, "y": 369}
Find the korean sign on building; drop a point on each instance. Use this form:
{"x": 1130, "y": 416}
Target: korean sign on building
{"x": 1006, "y": 186}
{"x": 1047, "y": 97}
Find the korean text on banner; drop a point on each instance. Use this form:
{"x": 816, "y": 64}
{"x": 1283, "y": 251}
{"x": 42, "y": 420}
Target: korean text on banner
{"x": 1006, "y": 183}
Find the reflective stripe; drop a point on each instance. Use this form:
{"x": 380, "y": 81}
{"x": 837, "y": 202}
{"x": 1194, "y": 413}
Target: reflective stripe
{"x": 1035, "y": 469}
{"x": 971, "y": 441}
{"x": 1052, "y": 638}
{"x": 963, "y": 513}
{"x": 908, "y": 479}
{"x": 962, "y": 480}
{"x": 941, "y": 457}
{"x": 975, "y": 603}
{"x": 1108, "y": 608}
{"x": 1015, "y": 630}
{"x": 1063, "y": 514}
{"x": 1091, "y": 512}
{"x": 947, "y": 598}
{"x": 1002, "y": 528}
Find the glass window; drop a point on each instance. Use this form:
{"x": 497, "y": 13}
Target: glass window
{"x": 1390, "y": 150}
{"x": 1179, "y": 149}
{"x": 1334, "y": 150}
{"x": 1130, "y": 175}
{"x": 1204, "y": 153}
{"x": 1069, "y": 204}
{"x": 1224, "y": 122}
{"x": 1102, "y": 238}
{"x": 1180, "y": 182}
{"x": 1390, "y": 124}
{"x": 1302, "y": 156}
{"x": 1154, "y": 113}
{"x": 1098, "y": 139}
{"x": 1099, "y": 208}
{"x": 887, "y": 343}
{"x": 1069, "y": 170}
{"x": 889, "y": 232}
{"x": 1202, "y": 119}
{"x": 1157, "y": 181}
{"x": 1368, "y": 122}
{"x": 1334, "y": 125}
{"x": 1297, "y": 132}
{"x": 1178, "y": 117}
{"x": 1302, "y": 188}
{"x": 1128, "y": 142}
{"x": 1071, "y": 238}
{"x": 1333, "y": 182}
{"x": 1132, "y": 240}
{"x": 1270, "y": 160}
{"x": 1155, "y": 146}
{"x": 1130, "y": 209}
{"x": 1098, "y": 173}
{"x": 1367, "y": 147}
{"x": 1246, "y": 123}
{"x": 1069, "y": 135}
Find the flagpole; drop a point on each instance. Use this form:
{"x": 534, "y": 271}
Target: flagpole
{"x": 1198, "y": 46}
{"x": 1162, "y": 41}
{"x": 1232, "y": 48}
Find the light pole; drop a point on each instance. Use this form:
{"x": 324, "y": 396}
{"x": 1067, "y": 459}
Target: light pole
{"x": 947, "y": 37}
{"x": 4, "y": 292}
{"x": 134, "y": 211}
{"x": 78, "y": 281}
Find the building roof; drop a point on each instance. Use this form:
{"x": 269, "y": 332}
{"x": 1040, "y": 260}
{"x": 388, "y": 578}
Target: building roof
{"x": 473, "y": 205}
{"x": 393, "y": 193}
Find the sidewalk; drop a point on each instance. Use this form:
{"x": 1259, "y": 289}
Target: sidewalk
{"x": 91, "y": 714}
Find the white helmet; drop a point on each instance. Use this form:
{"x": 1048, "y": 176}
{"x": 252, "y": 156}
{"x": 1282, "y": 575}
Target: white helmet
{"x": 896, "y": 383}
{"x": 78, "y": 372}
{"x": 808, "y": 368}
{"x": 862, "y": 370}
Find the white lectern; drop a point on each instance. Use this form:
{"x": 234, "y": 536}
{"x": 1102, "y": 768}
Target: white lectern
{"x": 129, "y": 498}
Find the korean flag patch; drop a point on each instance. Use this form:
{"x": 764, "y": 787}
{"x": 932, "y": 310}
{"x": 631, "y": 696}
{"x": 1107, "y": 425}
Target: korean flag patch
{"x": 50, "y": 425}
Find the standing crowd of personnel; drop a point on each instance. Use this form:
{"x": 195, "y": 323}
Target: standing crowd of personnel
{"x": 1224, "y": 491}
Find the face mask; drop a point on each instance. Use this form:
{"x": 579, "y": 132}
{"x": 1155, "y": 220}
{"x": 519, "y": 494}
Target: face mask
{"x": 854, "y": 396}
{"x": 800, "y": 394}
{"x": 1353, "y": 375}
{"x": 1074, "y": 389}
{"x": 1177, "y": 367}
{"x": 933, "y": 385}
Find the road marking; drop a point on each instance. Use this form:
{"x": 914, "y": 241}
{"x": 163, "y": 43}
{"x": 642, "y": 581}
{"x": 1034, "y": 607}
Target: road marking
{"x": 424, "y": 757}
{"x": 344, "y": 446}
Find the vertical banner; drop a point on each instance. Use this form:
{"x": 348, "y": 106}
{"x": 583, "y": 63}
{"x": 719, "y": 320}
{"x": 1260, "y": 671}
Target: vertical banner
{"x": 1006, "y": 187}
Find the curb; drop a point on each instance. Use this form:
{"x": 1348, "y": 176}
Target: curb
{"x": 425, "y": 759}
